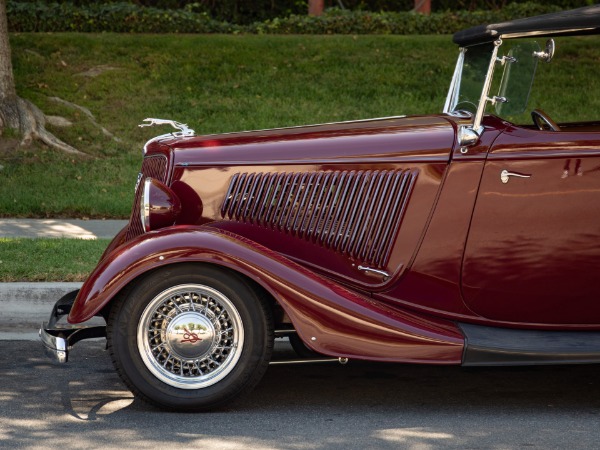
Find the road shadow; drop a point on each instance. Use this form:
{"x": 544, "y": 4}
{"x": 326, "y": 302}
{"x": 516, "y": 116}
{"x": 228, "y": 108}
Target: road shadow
{"x": 324, "y": 405}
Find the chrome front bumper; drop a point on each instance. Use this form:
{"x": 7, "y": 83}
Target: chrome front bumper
{"x": 59, "y": 338}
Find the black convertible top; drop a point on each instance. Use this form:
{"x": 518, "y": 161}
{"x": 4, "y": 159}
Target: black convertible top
{"x": 584, "y": 20}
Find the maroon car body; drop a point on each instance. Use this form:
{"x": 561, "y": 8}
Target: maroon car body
{"x": 457, "y": 238}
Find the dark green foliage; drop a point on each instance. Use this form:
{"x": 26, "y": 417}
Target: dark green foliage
{"x": 337, "y": 21}
{"x": 127, "y": 17}
{"x": 246, "y": 11}
{"x": 114, "y": 17}
{"x": 239, "y": 11}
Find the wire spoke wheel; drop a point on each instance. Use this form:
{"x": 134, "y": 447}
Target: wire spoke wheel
{"x": 190, "y": 336}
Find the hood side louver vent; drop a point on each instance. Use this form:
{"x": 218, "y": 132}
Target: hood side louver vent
{"x": 357, "y": 213}
{"x": 152, "y": 166}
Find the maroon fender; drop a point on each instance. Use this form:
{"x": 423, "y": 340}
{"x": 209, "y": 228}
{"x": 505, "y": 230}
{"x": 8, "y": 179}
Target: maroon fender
{"x": 328, "y": 317}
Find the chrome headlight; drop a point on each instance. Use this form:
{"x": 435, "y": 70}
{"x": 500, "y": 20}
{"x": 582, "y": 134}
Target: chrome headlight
{"x": 159, "y": 207}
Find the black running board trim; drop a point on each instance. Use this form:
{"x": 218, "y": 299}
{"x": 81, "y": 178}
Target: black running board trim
{"x": 492, "y": 346}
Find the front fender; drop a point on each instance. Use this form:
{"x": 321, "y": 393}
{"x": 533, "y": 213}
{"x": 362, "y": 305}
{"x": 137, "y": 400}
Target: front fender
{"x": 328, "y": 317}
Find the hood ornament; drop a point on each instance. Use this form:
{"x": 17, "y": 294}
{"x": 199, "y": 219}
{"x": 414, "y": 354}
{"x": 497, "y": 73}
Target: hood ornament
{"x": 184, "y": 130}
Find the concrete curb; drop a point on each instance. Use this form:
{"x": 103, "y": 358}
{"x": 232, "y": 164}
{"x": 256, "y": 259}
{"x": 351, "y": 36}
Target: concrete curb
{"x": 24, "y": 306}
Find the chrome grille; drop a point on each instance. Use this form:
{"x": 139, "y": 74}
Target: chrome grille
{"x": 154, "y": 167}
{"x": 357, "y": 213}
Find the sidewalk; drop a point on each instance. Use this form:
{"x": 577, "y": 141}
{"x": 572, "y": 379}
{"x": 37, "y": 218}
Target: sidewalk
{"x": 24, "y": 306}
{"x": 59, "y": 228}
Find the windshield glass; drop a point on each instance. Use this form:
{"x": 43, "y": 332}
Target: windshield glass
{"x": 517, "y": 77}
{"x": 509, "y": 90}
{"x": 567, "y": 87}
{"x": 475, "y": 67}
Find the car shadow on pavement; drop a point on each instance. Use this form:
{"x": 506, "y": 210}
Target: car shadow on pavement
{"x": 310, "y": 405}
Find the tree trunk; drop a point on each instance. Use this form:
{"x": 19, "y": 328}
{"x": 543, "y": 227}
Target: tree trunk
{"x": 315, "y": 7}
{"x": 423, "y": 6}
{"x": 15, "y": 112}
{"x": 8, "y": 93}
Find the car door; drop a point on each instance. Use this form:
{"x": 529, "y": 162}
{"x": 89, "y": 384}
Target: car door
{"x": 533, "y": 250}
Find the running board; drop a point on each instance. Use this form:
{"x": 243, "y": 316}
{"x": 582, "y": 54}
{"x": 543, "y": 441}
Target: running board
{"x": 492, "y": 346}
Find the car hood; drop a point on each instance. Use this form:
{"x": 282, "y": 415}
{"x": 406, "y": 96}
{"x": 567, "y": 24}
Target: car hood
{"x": 423, "y": 138}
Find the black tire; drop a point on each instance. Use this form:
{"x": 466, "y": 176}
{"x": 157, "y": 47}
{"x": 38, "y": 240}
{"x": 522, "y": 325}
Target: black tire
{"x": 190, "y": 337}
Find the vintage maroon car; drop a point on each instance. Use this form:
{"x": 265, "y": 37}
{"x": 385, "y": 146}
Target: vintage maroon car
{"x": 457, "y": 238}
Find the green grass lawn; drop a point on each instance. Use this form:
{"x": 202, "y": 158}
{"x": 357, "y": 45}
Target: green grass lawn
{"x": 222, "y": 83}
{"x": 212, "y": 83}
{"x": 48, "y": 259}
{"x": 216, "y": 83}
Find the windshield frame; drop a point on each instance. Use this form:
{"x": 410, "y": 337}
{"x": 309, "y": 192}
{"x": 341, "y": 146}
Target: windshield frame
{"x": 471, "y": 76}
{"x": 452, "y": 97}
{"x": 454, "y": 91}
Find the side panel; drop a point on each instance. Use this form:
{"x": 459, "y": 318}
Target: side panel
{"x": 330, "y": 318}
{"x": 335, "y": 219}
{"x": 432, "y": 283}
{"x": 532, "y": 255}
{"x": 349, "y": 201}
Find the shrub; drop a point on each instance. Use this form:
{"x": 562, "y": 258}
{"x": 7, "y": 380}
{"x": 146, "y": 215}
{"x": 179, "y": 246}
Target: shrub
{"x": 115, "y": 17}
{"x": 336, "y": 21}
{"x": 127, "y": 17}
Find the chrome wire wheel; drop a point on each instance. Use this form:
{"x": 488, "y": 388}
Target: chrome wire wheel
{"x": 190, "y": 336}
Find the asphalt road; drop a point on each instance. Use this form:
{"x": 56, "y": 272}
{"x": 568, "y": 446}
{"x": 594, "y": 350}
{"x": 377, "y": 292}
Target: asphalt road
{"x": 328, "y": 406}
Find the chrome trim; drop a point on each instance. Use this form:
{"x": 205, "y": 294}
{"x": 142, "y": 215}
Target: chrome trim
{"x": 138, "y": 181}
{"x": 315, "y": 125}
{"x": 180, "y": 357}
{"x": 384, "y": 274}
{"x": 155, "y": 167}
{"x": 375, "y": 119}
{"x": 56, "y": 348}
{"x": 284, "y": 332}
{"x": 495, "y": 99}
{"x": 184, "y": 130}
{"x": 543, "y": 33}
{"x": 461, "y": 114}
{"x": 506, "y": 59}
{"x": 338, "y": 210}
{"x": 505, "y": 174}
{"x": 303, "y": 361}
{"x": 145, "y": 206}
{"x": 452, "y": 97}
{"x": 486, "y": 86}
{"x": 467, "y": 135}
{"x": 548, "y": 54}
{"x": 175, "y": 135}
{"x": 58, "y": 338}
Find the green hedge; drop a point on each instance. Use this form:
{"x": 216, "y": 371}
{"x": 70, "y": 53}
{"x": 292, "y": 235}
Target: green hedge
{"x": 363, "y": 22}
{"x": 113, "y": 17}
{"x": 249, "y": 11}
{"x": 126, "y": 17}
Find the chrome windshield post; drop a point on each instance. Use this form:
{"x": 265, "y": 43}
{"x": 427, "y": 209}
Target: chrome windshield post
{"x": 452, "y": 97}
{"x": 486, "y": 88}
{"x": 469, "y": 134}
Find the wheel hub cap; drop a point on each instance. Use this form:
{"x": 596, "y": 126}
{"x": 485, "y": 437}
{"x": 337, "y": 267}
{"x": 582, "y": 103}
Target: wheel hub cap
{"x": 190, "y": 336}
